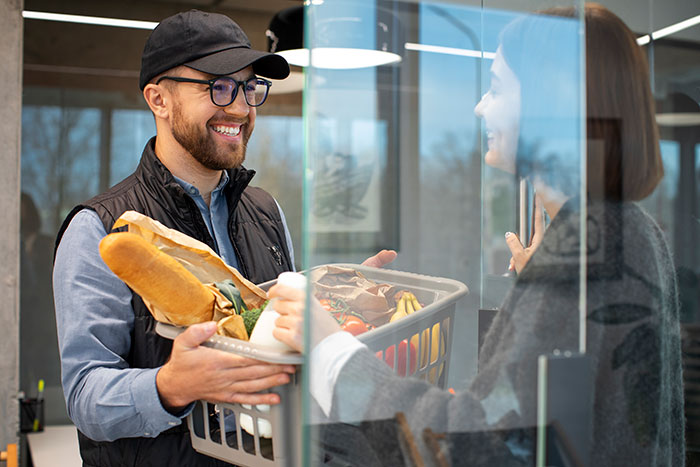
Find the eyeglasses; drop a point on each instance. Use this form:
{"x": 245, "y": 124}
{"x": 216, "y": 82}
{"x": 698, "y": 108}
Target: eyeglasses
{"x": 223, "y": 90}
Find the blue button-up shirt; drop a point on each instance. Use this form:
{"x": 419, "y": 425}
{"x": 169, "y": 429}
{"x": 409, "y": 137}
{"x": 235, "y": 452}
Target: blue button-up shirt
{"x": 105, "y": 398}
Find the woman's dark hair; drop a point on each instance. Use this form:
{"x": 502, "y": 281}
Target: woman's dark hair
{"x": 623, "y": 156}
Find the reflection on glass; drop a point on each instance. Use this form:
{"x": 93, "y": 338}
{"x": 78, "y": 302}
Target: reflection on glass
{"x": 606, "y": 314}
{"x": 130, "y": 131}
{"x": 58, "y": 169}
{"x": 59, "y": 162}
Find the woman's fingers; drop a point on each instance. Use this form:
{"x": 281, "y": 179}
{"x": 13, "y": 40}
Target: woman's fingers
{"x": 520, "y": 254}
{"x": 294, "y": 308}
{"x": 539, "y": 222}
{"x": 516, "y": 248}
{"x": 284, "y": 292}
{"x": 293, "y": 337}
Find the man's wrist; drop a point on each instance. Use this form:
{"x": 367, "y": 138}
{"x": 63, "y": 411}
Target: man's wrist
{"x": 170, "y": 398}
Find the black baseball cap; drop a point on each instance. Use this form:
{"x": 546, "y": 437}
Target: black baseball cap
{"x": 207, "y": 42}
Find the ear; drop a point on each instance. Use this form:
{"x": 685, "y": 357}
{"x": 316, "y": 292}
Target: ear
{"x": 158, "y": 100}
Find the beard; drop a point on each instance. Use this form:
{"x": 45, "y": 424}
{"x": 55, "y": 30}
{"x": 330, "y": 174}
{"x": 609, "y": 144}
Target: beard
{"x": 202, "y": 145}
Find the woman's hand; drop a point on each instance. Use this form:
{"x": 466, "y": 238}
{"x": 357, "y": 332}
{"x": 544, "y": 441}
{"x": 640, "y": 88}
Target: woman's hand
{"x": 289, "y": 303}
{"x": 521, "y": 255}
{"x": 381, "y": 259}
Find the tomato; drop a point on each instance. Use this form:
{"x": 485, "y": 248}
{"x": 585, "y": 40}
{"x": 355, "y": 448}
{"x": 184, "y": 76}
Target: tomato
{"x": 401, "y": 360}
{"x": 326, "y": 304}
{"x": 354, "y": 325}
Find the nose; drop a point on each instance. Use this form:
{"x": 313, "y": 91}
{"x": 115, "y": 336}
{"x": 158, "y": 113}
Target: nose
{"x": 239, "y": 106}
{"x": 479, "y": 109}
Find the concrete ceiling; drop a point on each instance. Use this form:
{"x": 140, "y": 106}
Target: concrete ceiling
{"x": 73, "y": 55}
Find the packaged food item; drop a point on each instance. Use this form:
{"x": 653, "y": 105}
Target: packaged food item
{"x": 181, "y": 280}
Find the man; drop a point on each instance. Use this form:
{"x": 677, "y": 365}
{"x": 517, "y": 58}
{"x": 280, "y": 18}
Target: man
{"x": 128, "y": 389}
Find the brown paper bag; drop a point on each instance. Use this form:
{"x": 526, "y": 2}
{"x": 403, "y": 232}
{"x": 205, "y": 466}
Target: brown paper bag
{"x": 197, "y": 258}
{"x": 371, "y": 300}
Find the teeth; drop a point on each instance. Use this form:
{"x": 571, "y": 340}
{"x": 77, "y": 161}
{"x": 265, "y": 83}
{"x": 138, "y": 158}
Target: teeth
{"x": 227, "y": 130}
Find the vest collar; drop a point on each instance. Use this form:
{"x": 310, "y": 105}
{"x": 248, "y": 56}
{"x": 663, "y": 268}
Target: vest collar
{"x": 158, "y": 179}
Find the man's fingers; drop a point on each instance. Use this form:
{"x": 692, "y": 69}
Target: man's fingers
{"x": 194, "y": 335}
{"x": 259, "y": 384}
{"x": 248, "y": 379}
{"x": 381, "y": 259}
{"x": 254, "y": 399}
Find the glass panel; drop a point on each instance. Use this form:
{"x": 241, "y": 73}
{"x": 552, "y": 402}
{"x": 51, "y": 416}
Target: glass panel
{"x": 674, "y": 55}
{"x": 394, "y": 160}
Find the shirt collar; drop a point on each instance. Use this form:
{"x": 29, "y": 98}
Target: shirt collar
{"x": 194, "y": 191}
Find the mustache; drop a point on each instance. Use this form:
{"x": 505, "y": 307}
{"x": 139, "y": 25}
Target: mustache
{"x": 227, "y": 119}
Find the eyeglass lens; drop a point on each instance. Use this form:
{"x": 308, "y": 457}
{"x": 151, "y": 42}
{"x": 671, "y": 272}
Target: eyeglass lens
{"x": 224, "y": 91}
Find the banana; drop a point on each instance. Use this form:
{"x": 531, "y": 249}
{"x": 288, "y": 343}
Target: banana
{"x": 406, "y": 297}
{"x": 424, "y": 351}
{"x": 400, "y": 310}
{"x": 437, "y": 343}
{"x": 409, "y": 303}
{"x": 437, "y": 346}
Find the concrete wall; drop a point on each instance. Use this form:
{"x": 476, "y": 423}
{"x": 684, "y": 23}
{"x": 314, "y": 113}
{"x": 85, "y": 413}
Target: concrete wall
{"x": 10, "y": 134}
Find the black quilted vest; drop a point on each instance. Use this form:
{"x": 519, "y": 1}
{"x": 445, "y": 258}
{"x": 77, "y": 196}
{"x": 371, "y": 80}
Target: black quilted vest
{"x": 257, "y": 233}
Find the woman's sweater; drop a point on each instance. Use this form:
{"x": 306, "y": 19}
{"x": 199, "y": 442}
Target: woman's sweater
{"x": 632, "y": 338}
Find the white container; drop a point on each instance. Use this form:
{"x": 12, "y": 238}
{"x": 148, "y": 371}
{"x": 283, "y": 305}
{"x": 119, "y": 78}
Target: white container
{"x": 262, "y": 332}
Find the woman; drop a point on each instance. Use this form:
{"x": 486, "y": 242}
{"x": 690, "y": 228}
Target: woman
{"x": 631, "y": 331}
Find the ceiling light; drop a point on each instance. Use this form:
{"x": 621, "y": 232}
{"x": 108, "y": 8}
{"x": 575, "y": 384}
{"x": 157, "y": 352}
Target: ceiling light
{"x": 449, "y": 50}
{"x": 668, "y": 30}
{"x": 339, "y": 58}
{"x": 342, "y": 41}
{"x": 97, "y": 20}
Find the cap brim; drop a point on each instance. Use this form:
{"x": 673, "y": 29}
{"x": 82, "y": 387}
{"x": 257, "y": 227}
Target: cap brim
{"x": 232, "y": 60}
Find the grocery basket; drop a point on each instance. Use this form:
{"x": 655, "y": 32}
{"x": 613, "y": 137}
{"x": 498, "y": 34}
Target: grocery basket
{"x": 217, "y": 430}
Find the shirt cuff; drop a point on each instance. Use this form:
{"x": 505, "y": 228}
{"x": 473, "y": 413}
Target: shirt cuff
{"x": 148, "y": 406}
{"x": 327, "y": 360}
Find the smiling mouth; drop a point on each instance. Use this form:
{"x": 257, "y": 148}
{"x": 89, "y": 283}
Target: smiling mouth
{"x": 227, "y": 130}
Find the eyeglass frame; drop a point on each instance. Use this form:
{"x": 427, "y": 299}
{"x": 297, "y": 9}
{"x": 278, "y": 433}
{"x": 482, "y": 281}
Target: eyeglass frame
{"x": 210, "y": 83}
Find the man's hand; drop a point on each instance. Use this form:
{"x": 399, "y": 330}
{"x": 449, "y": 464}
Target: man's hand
{"x": 195, "y": 372}
{"x": 521, "y": 255}
{"x": 289, "y": 327}
{"x": 381, "y": 259}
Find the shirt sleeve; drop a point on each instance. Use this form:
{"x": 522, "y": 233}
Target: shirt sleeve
{"x": 327, "y": 360}
{"x": 106, "y": 399}
{"x": 287, "y": 236}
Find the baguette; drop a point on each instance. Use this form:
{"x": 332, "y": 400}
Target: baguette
{"x": 158, "y": 278}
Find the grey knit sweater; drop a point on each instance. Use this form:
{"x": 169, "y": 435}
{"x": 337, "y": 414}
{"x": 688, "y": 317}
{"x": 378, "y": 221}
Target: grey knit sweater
{"x": 632, "y": 336}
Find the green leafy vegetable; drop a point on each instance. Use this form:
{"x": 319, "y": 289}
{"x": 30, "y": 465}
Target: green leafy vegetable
{"x": 229, "y": 290}
{"x": 250, "y": 317}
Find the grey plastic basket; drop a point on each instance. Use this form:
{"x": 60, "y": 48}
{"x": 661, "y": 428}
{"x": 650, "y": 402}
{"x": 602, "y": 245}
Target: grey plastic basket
{"x": 208, "y": 421}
